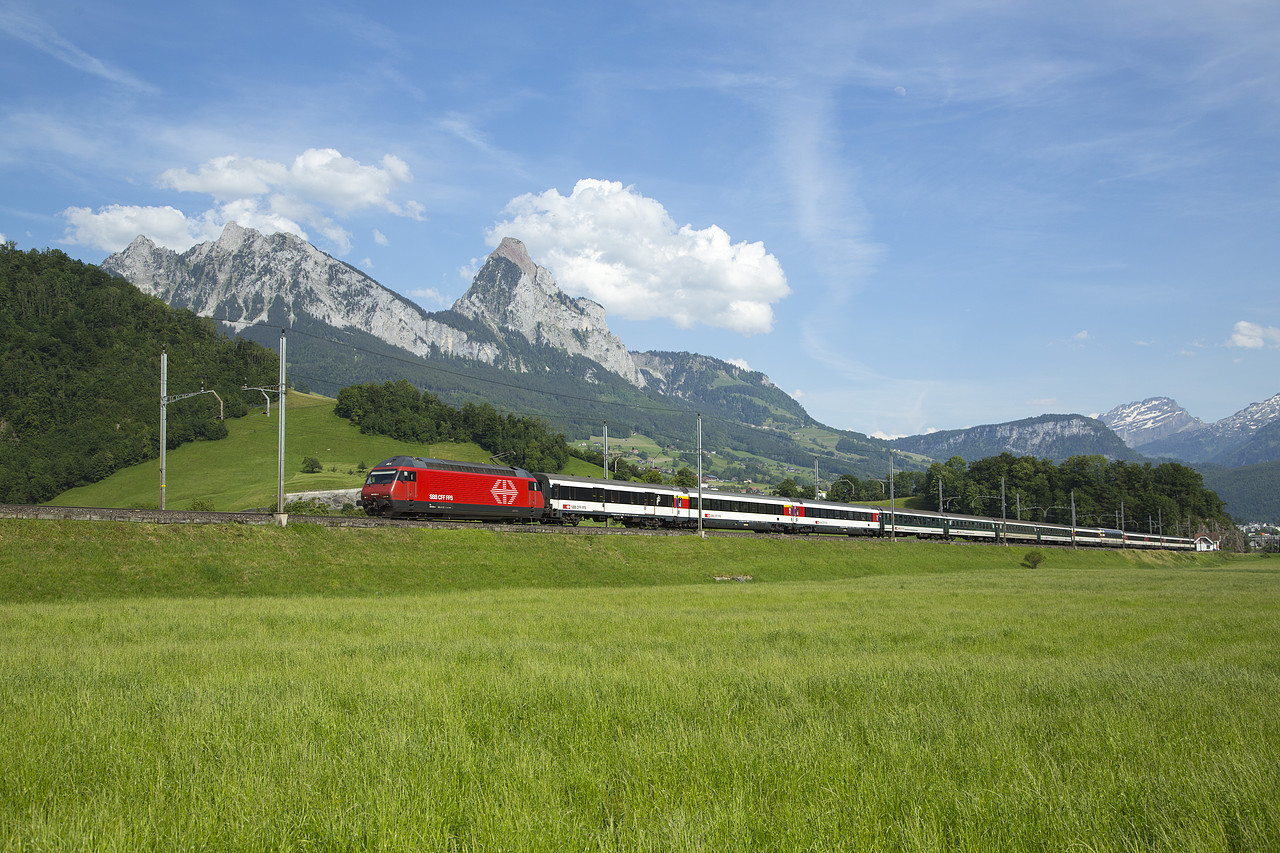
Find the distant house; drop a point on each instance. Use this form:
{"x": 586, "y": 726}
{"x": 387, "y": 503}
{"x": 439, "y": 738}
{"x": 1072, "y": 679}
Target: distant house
{"x": 1204, "y": 543}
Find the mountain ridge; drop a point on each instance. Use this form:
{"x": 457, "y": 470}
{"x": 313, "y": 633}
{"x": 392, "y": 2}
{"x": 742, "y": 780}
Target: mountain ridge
{"x": 1054, "y": 437}
{"x": 1162, "y": 428}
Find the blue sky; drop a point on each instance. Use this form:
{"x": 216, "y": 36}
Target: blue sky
{"x": 911, "y": 216}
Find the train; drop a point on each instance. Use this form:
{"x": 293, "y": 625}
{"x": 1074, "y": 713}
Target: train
{"x": 414, "y": 487}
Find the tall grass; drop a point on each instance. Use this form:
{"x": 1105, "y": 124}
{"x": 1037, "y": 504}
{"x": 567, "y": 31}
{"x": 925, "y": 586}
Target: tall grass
{"x": 47, "y": 561}
{"x": 1105, "y": 704}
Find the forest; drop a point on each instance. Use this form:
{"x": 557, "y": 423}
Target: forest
{"x": 80, "y": 374}
{"x": 401, "y": 411}
{"x": 1143, "y": 497}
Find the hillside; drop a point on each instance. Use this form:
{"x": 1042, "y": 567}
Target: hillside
{"x": 1249, "y": 492}
{"x": 239, "y": 472}
{"x": 80, "y": 374}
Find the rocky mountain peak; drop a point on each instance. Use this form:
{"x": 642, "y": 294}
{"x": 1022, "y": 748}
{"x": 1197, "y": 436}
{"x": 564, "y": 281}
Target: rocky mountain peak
{"x": 234, "y": 236}
{"x": 511, "y": 293}
{"x": 514, "y": 251}
{"x": 1152, "y": 419}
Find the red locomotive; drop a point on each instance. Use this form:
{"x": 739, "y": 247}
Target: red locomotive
{"x": 444, "y": 488}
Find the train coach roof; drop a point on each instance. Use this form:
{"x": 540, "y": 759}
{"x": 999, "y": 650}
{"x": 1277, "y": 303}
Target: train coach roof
{"x": 614, "y": 484}
{"x": 450, "y": 465}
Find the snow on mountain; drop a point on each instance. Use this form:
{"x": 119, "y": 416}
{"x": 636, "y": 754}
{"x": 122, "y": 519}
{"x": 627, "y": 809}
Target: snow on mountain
{"x": 1150, "y": 420}
{"x": 1159, "y": 430}
{"x": 1249, "y": 420}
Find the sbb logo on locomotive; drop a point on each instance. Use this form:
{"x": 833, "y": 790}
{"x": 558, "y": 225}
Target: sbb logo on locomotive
{"x": 504, "y": 492}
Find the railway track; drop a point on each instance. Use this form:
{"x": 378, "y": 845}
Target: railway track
{"x": 270, "y": 519}
{"x": 177, "y": 516}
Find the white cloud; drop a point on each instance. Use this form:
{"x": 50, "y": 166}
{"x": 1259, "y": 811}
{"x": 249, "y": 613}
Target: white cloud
{"x": 624, "y": 250}
{"x": 263, "y": 195}
{"x": 429, "y": 297}
{"x": 380, "y": 238}
{"x": 1082, "y": 335}
{"x": 1254, "y": 336}
{"x": 739, "y": 362}
{"x": 114, "y": 227}
{"x": 317, "y": 175}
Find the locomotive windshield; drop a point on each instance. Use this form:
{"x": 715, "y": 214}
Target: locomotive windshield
{"x": 379, "y": 478}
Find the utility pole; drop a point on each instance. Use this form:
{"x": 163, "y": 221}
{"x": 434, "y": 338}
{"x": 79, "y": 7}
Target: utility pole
{"x": 700, "y": 530}
{"x": 606, "y": 450}
{"x": 1004, "y": 514}
{"x": 284, "y": 391}
{"x": 1073, "y": 518}
{"x": 165, "y": 400}
{"x": 281, "y": 390}
{"x": 892, "y": 523}
{"x": 164, "y": 412}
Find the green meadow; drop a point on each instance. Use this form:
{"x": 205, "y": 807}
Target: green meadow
{"x": 175, "y": 687}
{"x": 239, "y": 472}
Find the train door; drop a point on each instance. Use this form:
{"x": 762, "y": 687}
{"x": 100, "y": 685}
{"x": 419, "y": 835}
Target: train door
{"x": 409, "y": 481}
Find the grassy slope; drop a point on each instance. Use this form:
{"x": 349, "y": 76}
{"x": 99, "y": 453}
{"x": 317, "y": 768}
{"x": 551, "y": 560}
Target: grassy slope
{"x": 239, "y": 472}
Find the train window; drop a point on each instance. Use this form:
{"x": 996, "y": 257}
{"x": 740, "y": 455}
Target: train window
{"x": 380, "y": 478}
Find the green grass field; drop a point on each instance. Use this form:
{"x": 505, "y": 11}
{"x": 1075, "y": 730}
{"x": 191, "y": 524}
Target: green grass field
{"x": 259, "y": 688}
{"x": 239, "y": 472}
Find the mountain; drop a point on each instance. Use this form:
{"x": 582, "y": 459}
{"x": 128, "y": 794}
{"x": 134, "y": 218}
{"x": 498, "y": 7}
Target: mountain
{"x": 1150, "y": 420}
{"x": 513, "y": 339}
{"x": 1055, "y": 437}
{"x": 703, "y": 380}
{"x": 279, "y": 280}
{"x": 512, "y": 294}
{"x": 1242, "y": 439}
